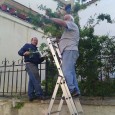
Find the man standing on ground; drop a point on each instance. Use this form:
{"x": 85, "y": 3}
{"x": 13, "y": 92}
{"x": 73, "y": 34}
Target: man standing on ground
{"x": 32, "y": 60}
{"x": 68, "y": 45}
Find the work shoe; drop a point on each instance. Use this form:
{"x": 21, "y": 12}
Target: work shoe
{"x": 38, "y": 98}
{"x": 32, "y": 99}
{"x": 42, "y": 98}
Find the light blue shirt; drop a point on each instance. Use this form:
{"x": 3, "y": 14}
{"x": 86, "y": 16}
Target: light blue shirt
{"x": 70, "y": 37}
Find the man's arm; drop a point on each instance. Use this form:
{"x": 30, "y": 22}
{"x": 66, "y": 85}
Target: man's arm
{"x": 23, "y": 51}
{"x": 58, "y": 21}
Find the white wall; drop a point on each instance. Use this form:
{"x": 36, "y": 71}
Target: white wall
{"x": 34, "y": 4}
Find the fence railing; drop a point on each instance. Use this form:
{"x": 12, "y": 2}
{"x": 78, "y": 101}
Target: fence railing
{"x": 14, "y": 78}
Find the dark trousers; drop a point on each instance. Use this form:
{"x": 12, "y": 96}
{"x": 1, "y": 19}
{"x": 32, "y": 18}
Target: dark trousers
{"x": 34, "y": 85}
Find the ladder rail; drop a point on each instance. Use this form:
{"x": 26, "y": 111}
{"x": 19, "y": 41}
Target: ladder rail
{"x": 59, "y": 54}
{"x": 53, "y": 96}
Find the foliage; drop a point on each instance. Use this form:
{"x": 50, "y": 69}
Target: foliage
{"x": 92, "y": 61}
{"x": 78, "y": 7}
{"x": 35, "y": 20}
{"x": 96, "y": 60}
{"x": 19, "y": 105}
{"x": 51, "y": 82}
{"x": 105, "y": 16}
{"x": 51, "y": 77}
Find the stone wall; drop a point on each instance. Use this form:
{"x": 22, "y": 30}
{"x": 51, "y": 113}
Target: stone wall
{"x": 40, "y": 108}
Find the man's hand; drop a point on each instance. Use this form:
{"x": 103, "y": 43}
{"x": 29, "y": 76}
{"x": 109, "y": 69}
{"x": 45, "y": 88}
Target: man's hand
{"x": 46, "y": 17}
{"x": 26, "y": 53}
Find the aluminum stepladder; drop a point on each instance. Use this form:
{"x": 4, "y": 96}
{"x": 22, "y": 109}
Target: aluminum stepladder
{"x": 60, "y": 81}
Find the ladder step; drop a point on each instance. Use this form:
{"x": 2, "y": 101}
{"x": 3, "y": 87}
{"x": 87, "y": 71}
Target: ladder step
{"x": 54, "y": 112}
{"x": 55, "y": 46}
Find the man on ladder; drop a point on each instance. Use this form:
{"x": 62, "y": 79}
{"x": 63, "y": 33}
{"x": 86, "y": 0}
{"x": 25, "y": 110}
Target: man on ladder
{"x": 68, "y": 45}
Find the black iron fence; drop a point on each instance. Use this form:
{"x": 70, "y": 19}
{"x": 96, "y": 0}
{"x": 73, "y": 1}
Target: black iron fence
{"x": 14, "y": 80}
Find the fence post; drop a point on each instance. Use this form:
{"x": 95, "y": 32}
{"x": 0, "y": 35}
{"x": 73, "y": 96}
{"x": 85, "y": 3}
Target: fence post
{"x": 13, "y": 64}
{"x": 5, "y": 63}
{"x": 0, "y": 77}
{"x": 46, "y": 77}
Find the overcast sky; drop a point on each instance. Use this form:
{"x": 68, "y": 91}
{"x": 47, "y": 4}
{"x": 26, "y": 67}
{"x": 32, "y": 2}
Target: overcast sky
{"x": 103, "y": 6}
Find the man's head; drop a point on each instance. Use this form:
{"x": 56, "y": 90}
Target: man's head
{"x": 34, "y": 41}
{"x": 68, "y": 17}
